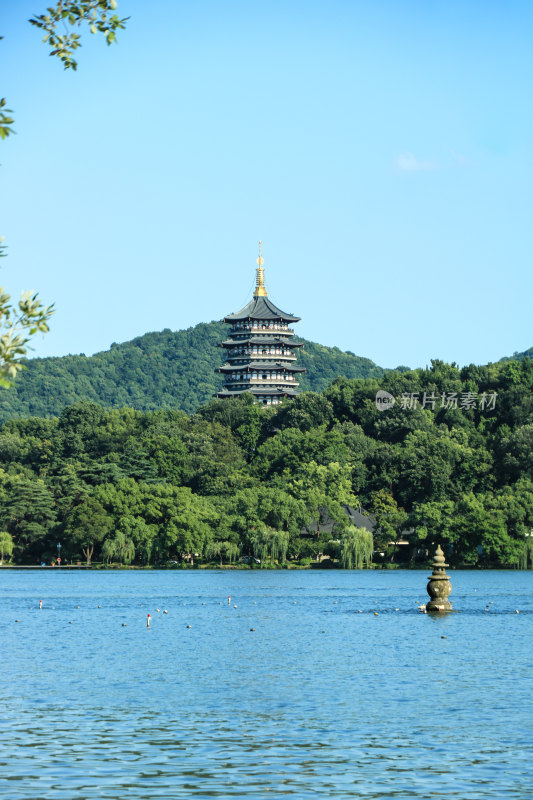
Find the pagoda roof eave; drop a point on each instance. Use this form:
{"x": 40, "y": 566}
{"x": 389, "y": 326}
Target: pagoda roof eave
{"x": 260, "y": 308}
{"x": 261, "y": 365}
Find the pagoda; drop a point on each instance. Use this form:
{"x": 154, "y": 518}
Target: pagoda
{"x": 261, "y": 351}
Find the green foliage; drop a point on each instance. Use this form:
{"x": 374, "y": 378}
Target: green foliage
{"x": 223, "y": 550}
{"x": 86, "y": 525}
{"x": 357, "y": 545}
{"x": 6, "y": 545}
{"x": 28, "y": 512}
{"x": 519, "y": 356}
{"x": 526, "y": 556}
{"x": 17, "y": 325}
{"x": 270, "y": 545}
{"x": 119, "y": 547}
{"x": 307, "y": 411}
{"x": 517, "y": 452}
{"x": 236, "y": 480}
{"x": 59, "y": 19}
{"x": 6, "y": 121}
{"x": 324, "y": 364}
{"x": 389, "y": 518}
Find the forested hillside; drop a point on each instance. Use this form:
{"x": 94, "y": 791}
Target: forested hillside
{"x": 158, "y": 370}
{"x": 452, "y": 458}
{"x": 519, "y": 356}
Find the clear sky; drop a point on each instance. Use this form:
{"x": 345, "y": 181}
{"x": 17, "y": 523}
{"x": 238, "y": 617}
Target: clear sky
{"x": 381, "y": 150}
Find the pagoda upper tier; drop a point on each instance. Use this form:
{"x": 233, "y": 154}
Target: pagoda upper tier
{"x": 260, "y": 308}
{"x": 261, "y": 352}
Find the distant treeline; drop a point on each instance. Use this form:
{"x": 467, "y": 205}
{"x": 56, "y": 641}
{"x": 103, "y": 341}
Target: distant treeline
{"x": 452, "y": 458}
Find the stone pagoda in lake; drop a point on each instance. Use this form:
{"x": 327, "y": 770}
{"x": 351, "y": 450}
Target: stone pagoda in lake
{"x": 261, "y": 351}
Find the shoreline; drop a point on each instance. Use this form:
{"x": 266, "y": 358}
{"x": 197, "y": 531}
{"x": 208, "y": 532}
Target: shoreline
{"x": 243, "y": 567}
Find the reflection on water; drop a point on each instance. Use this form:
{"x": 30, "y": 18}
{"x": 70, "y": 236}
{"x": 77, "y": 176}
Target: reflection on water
{"x": 322, "y": 699}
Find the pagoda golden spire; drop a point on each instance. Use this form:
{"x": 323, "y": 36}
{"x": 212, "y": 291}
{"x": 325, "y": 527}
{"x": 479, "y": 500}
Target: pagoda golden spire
{"x": 260, "y": 290}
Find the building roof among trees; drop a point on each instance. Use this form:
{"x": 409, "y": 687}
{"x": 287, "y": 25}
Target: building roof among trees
{"x": 326, "y": 523}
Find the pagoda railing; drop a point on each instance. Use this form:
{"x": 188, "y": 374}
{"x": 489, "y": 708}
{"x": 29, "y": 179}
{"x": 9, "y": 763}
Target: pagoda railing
{"x": 286, "y": 354}
{"x": 249, "y": 328}
{"x": 249, "y": 379}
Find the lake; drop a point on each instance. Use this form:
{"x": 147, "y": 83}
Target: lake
{"x": 322, "y": 699}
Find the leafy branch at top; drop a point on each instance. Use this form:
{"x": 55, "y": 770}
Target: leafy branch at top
{"x": 17, "y": 325}
{"x": 97, "y": 14}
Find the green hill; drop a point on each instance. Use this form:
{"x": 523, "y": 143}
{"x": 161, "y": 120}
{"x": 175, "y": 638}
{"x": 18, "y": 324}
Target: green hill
{"x": 519, "y": 356}
{"x": 169, "y": 369}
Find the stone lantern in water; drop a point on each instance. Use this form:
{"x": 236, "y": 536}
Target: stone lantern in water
{"x": 439, "y": 586}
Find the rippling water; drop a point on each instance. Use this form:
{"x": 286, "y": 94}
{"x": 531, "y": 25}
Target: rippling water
{"x": 322, "y": 699}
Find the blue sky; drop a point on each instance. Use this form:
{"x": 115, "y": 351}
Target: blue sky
{"x": 382, "y": 151}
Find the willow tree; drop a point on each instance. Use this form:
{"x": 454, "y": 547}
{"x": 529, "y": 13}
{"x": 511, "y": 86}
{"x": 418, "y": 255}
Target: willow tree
{"x": 108, "y": 550}
{"x": 119, "y": 547}
{"x": 228, "y": 550}
{"x": 270, "y": 545}
{"x": 357, "y": 546}
{"x": 526, "y": 556}
{"x": 6, "y": 545}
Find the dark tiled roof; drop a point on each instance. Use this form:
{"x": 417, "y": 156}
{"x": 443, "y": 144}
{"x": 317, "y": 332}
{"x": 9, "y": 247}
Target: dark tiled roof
{"x": 356, "y": 517}
{"x": 361, "y": 520}
{"x": 260, "y": 308}
{"x": 258, "y": 366}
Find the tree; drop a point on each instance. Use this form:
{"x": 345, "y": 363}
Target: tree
{"x": 301, "y": 547}
{"x": 270, "y": 545}
{"x": 120, "y": 547}
{"x": 108, "y": 550}
{"x": 480, "y": 532}
{"x": 433, "y": 520}
{"x": 308, "y": 410}
{"x": 29, "y": 512}
{"x": 18, "y": 323}
{"x": 6, "y": 545}
{"x": 87, "y": 525}
{"x": 97, "y": 14}
{"x": 526, "y": 556}
{"x": 389, "y": 518}
{"x": 140, "y": 534}
{"x": 241, "y": 415}
{"x": 227, "y": 550}
{"x": 185, "y": 520}
{"x": 517, "y": 450}
{"x": 357, "y": 546}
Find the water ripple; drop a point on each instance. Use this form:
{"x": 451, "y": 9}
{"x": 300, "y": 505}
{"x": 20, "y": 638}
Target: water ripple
{"x": 319, "y": 701}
